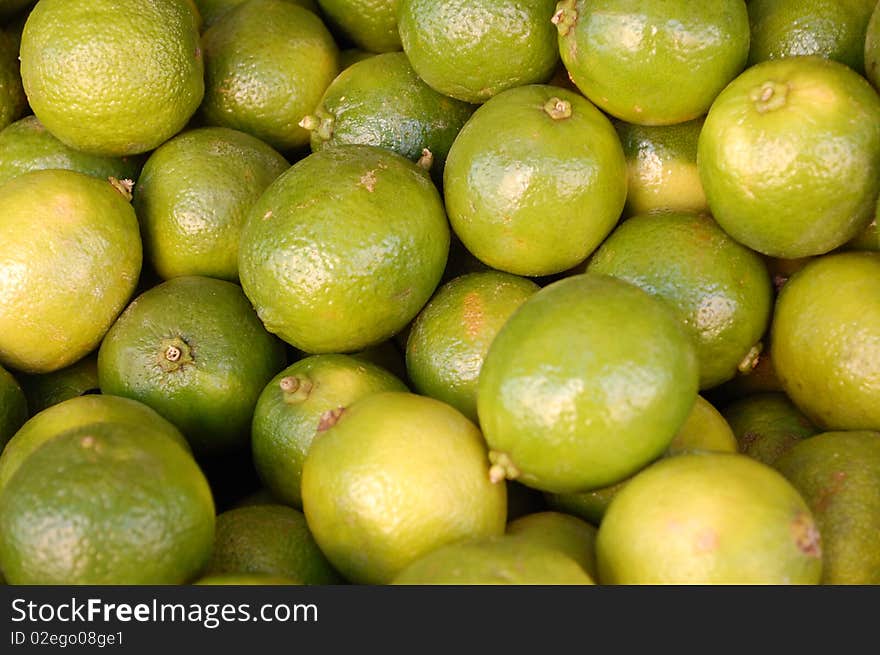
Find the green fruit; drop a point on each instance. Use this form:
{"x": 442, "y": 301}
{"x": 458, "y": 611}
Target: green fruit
{"x": 13, "y": 407}
{"x": 767, "y": 425}
{"x": 370, "y": 24}
{"x": 872, "y": 49}
{"x": 47, "y": 389}
{"x": 562, "y": 532}
{"x": 12, "y": 98}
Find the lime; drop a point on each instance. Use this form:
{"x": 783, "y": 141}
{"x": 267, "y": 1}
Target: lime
{"x": 872, "y": 49}
{"x": 59, "y": 293}
{"x": 474, "y": 49}
{"x": 212, "y": 10}
{"x": 767, "y": 425}
{"x": 240, "y": 579}
{"x": 46, "y": 389}
{"x": 370, "y": 24}
{"x": 13, "y": 406}
{"x": 535, "y": 180}
{"x": 450, "y": 337}
{"x": 397, "y": 476}
{"x": 112, "y": 77}
{"x": 193, "y": 349}
{"x": 297, "y": 405}
{"x": 344, "y": 249}
{"x": 12, "y": 98}
{"x": 563, "y": 532}
{"x": 586, "y": 383}
{"x": 629, "y": 56}
{"x": 789, "y": 156}
{"x": 192, "y": 197}
{"x": 106, "y": 504}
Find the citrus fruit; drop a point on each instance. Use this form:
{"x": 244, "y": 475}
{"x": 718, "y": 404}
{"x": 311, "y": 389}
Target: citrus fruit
{"x": 370, "y": 24}
{"x": 759, "y": 379}
{"x": 395, "y": 477}
{"x": 789, "y": 156}
{"x": 834, "y": 29}
{"x": 704, "y": 429}
{"x": 662, "y": 167}
{"x": 60, "y": 292}
{"x": 474, "y": 49}
{"x": 261, "y": 496}
{"x": 535, "y": 180}
{"x": 720, "y": 290}
{"x": 112, "y": 77}
{"x": 268, "y": 540}
{"x": 867, "y": 239}
{"x": 106, "y": 503}
{"x": 767, "y": 425}
{"x": 587, "y": 382}
{"x": 386, "y": 355}
{"x": 494, "y": 561}
{"x": 46, "y": 389}
{"x": 838, "y": 474}
{"x": 872, "y": 49}
{"x": 824, "y": 341}
{"x": 344, "y": 249}
{"x": 212, "y": 10}
{"x": 239, "y": 579}
{"x": 193, "y": 349}
{"x": 628, "y": 57}
{"x": 450, "y": 337}
{"x": 26, "y": 145}
{"x": 297, "y": 405}
{"x": 351, "y": 56}
{"x": 380, "y": 101}
{"x": 13, "y": 406}
{"x": 12, "y": 98}
{"x": 563, "y": 532}
{"x": 193, "y": 194}
{"x": 267, "y": 63}
{"x": 78, "y": 412}
{"x": 709, "y": 518}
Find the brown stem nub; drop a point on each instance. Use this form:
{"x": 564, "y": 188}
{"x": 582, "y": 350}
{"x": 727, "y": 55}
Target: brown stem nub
{"x": 558, "y": 109}
{"x": 174, "y": 353}
{"x": 295, "y": 388}
{"x": 565, "y": 17}
{"x": 124, "y": 186}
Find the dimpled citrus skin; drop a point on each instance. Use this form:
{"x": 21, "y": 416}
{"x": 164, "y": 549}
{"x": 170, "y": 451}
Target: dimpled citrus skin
{"x": 60, "y": 293}
{"x": 630, "y": 57}
{"x": 826, "y": 340}
{"x": 709, "y": 518}
{"x": 585, "y": 384}
{"x": 344, "y": 249}
{"x": 371, "y": 24}
{"x": 106, "y": 504}
{"x": 789, "y": 156}
{"x": 112, "y": 77}
{"x": 193, "y": 194}
{"x": 472, "y": 50}
{"x": 720, "y": 289}
{"x": 531, "y": 194}
{"x": 267, "y": 63}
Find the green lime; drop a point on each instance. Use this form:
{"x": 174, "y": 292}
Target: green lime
{"x": 268, "y": 540}
{"x": 60, "y": 293}
{"x": 240, "y": 579}
{"x": 652, "y": 63}
{"x": 760, "y": 378}
{"x": 535, "y": 180}
{"x": 46, "y": 389}
{"x": 720, "y": 290}
{"x": 12, "y": 98}
{"x": 397, "y": 476}
{"x": 662, "y": 167}
{"x": 380, "y": 101}
{"x": 193, "y": 349}
{"x": 106, "y": 504}
{"x": 193, "y": 195}
{"x": 13, "y": 407}
{"x": 563, "y": 532}
{"x": 112, "y": 77}
{"x": 872, "y": 49}
{"x": 709, "y": 518}
{"x": 267, "y": 63}
{"x": 212, "y": 10}
{"x": 586, "y": 383}
{"x": 824, "y": 341}
{"x": 474, "y": 49}
{"x": 370, "y": 24}
{"x": 450, "y": 337}
{"x": 297, "y": 405}
{"x": 838, "y": 474}
{"x": 789, "y": 156}
{"x": 343, "y": 250}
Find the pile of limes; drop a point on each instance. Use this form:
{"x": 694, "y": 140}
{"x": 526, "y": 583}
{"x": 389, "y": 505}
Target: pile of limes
{"x": 439, "y": 292}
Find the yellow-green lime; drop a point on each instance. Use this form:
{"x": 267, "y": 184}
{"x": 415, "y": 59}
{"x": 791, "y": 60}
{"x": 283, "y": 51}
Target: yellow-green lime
{"x": 242, "y": 579}
{"x": 13, "y": 406}
{"x": 450, "y": 337}
{"x": 369, "y": 24}
{"x": 709, "y": 518}
{"x": 872, "y": 49}
{"x": 563, "y": 532}
{"x": 535, "y": 180}
{"x": 397, "y": 476}
{"x": 193, "y": 349}
{"x": 297, "y": 405}
{"x": 789, "y": 156}
{"x": 46, "y": 389}
{"x": 586, "y": 383}
{"x": 192, "y": 197}
{"x": 106, "y": 504}
{"x": 343, "y": 250}
{"x": 474, "y": 49}
{"x": 652, "y": 63}
{"x": 268, "y": 540}
{"x": 112, "y": 77}
{"x": 212, "y": 10}
{"x": 13, "y": 101}
{"x": 59, "y": 293}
